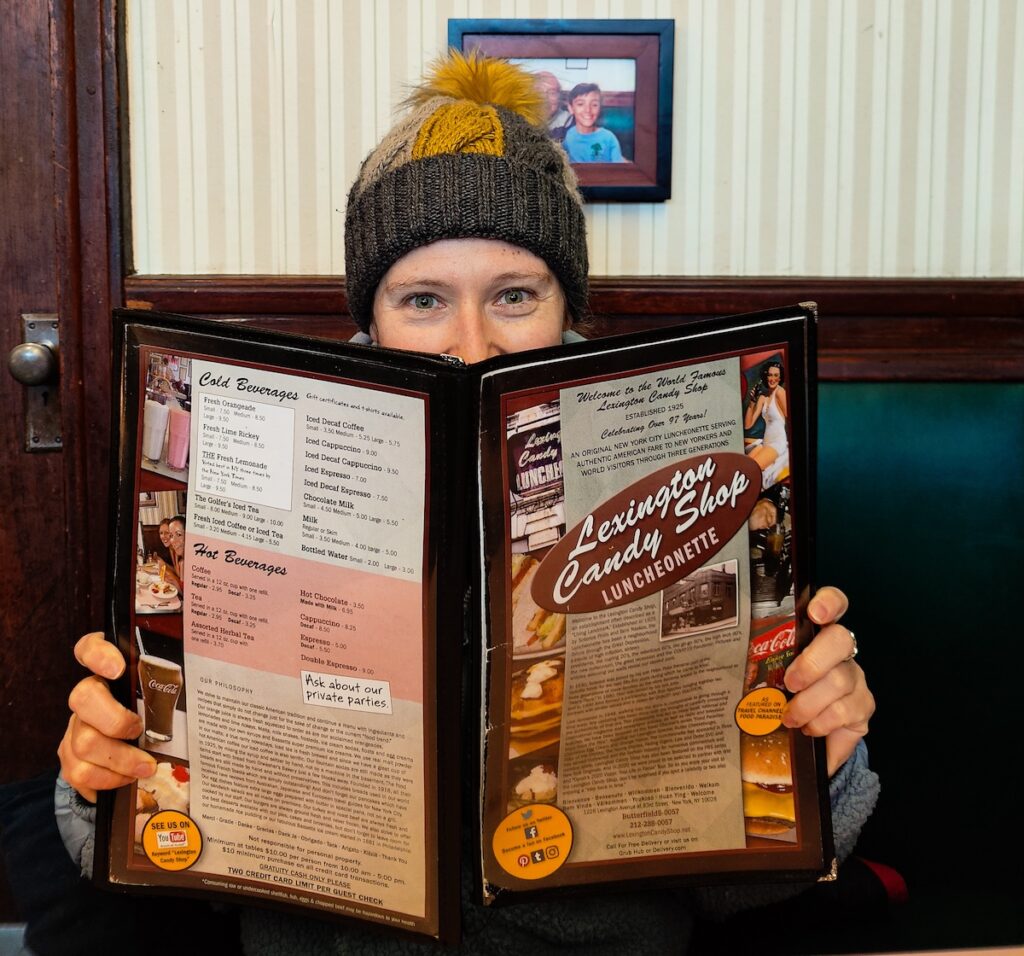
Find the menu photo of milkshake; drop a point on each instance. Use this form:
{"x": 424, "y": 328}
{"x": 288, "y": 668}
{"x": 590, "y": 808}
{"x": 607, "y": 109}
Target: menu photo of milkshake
{"x": 167, "y": 416}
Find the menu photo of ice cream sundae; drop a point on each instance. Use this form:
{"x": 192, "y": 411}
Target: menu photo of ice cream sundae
{"x": 535, "y": 710}
{"x": 167, "y": 789}
{"x": 532, "y": 780}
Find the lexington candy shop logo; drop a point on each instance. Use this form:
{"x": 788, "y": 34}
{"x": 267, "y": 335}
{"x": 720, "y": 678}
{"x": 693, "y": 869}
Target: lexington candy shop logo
{"x": 650, "y": 535}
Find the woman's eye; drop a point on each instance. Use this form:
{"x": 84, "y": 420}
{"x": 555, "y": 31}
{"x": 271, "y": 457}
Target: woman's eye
{"x": 423, "y": 301}
{"x": 513, "y": 297}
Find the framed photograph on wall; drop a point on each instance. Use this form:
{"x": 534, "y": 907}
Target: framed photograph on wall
{"x": 608, "y": 85}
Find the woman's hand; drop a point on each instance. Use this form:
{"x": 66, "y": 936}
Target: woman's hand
{"x": 831, "y": 697}
{"x": 93, "y": 753}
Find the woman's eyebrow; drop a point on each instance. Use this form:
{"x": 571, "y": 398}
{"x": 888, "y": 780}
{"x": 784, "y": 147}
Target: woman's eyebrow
{"x": 419, "y": 282}
{"x": 523, "y": 276}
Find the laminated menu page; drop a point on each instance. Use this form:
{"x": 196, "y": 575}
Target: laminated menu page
{"x": 647, "y": 526}
{"x": 379, "y": 606}
{"x": 282, "y": 558}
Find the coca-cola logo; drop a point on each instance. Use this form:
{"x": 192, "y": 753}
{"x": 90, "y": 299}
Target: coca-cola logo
{"x": 650, "y": 535}
{"x": 163, "y": 688}
{"x": 783, "y": 639}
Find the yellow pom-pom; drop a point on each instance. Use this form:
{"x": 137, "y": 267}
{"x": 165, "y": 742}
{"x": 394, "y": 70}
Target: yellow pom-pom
{"x": 482, "y": 79}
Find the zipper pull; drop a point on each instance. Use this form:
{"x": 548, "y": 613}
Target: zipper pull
{"x": 452, "y": 360}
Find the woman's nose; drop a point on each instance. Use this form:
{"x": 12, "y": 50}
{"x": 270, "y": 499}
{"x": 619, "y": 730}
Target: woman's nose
{"x": 473, "y": 340}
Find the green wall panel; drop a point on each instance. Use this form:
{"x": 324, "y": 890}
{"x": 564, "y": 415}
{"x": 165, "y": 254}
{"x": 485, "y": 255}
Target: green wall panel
{"x": 920, "y": 521}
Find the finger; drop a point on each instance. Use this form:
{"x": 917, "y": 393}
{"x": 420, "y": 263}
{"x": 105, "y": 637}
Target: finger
{"x": 851, "y": 712}
{"x": 828, "y": 605}
{"x": 95, "y": 706}
{"x": 70, "y": 767}
{"x": 96, "y": 653}
{"x": 86, "y": 777}
{"x": 89, "y": 745}
{"x": 831, "y": 646}
{"x": 808, "y": 705}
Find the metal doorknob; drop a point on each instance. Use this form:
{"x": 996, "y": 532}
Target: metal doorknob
{"x": 32, "y": 364}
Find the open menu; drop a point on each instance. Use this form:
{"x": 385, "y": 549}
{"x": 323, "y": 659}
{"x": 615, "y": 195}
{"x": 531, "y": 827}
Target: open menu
{"x": 379, "y": 606}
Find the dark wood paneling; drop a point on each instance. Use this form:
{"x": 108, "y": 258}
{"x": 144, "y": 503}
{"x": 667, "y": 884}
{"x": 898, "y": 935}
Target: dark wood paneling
{"x": 93, "y": 242}
{"x": 870, "y": 329}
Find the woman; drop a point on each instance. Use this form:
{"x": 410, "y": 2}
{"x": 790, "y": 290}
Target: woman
{"x": 465, "y": 235}
{"x": 176, "y": 542}
{"x": 163, "y": 553}
{"x": 767, "y": 400}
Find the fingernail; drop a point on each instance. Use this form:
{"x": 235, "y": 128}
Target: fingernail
{"x": 787, "y": 717}
{"x": 145, "y": 769}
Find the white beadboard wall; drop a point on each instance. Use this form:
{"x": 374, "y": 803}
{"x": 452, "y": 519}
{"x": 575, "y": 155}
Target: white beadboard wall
{"x": 811, "y": 137}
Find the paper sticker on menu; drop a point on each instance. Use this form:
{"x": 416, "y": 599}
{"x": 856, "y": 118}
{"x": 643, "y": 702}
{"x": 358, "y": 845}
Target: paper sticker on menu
{"x": 233, "y": 439}
{"x": 310, "y": 468}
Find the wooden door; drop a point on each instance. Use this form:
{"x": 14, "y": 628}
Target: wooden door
{"x": 55, "y": 259}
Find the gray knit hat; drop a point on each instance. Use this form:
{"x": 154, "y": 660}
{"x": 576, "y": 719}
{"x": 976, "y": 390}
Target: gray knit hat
{"x": 470, "y": 159}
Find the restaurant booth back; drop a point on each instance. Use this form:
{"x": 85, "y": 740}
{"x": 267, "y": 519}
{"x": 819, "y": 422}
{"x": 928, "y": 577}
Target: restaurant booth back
{"x": 920, "y": 504}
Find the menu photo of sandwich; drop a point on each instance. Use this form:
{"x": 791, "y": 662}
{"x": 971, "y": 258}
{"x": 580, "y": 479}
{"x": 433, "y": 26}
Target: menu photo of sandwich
{"x": 535, "y": 718}
{"x": 766, "y": 769}
{"x": 535, "y": 631}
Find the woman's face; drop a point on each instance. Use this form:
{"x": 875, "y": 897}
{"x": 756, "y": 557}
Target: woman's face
{"x": 165, "y": 534}
{"x": 177, "y": 537}
{"x": 585, "y": 110}
{"x": 774, "y": 376}
{"x": 474, "y": 298}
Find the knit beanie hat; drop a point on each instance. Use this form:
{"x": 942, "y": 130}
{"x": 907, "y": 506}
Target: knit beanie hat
{"x": 470, "y": 159}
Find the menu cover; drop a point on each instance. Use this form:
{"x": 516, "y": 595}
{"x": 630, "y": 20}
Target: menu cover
{"x": 334, "y": 564}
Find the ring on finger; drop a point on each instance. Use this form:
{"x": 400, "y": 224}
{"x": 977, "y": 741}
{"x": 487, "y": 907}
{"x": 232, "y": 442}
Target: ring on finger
{"x": 853, "y": 653}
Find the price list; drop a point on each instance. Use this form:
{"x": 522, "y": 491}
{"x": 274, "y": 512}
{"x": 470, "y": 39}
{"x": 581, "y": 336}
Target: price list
{"x": 361, "y": 493}
{"x": 234, "y": 441}
{"x": 317, "y": 469}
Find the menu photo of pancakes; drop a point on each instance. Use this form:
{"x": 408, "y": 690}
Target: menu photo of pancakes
{"x": 535, "y": 631}
{"x": 535, "y": 706}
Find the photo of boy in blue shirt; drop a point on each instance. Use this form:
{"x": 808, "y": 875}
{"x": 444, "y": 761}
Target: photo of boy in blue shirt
{"x": 585, "y": 141}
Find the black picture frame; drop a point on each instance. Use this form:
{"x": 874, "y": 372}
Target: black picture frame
{"x": 646, "y": 174}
